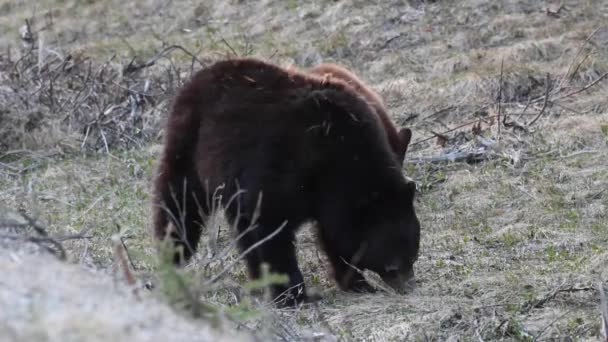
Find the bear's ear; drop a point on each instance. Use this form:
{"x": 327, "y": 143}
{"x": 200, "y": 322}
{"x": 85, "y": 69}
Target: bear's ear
{"x": 405, "y": 136}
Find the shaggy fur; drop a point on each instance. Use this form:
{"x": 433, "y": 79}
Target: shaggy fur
{"x": 398, "y": 140}
{"x": 289, "y": 148}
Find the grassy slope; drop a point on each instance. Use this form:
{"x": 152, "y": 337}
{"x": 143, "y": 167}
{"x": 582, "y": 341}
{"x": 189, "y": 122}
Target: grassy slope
{"x": 496, "y": 236}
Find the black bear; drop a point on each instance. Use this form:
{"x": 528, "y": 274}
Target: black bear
{"x": 398, "y": 140}
{"x": 284, "y": 148}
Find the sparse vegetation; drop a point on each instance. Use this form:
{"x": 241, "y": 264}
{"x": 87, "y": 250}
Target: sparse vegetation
{"x": 513, "y": 245}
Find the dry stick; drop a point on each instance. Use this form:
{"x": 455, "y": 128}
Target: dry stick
{"x": 244, "y": 254}
{"x": 453, "y": 157}
{"x": 545, "y": 98}
{"x": 499, "y": 98}
{"x": 547, "y": 85}
{"x": 558, "y": 90}
{"x": 229, "y": 47}
{"x": 58, "y": 249}
{"x": 80, "y": 235}
{"x": 234, "y": 242}
{"x": 542, "y": 301}
{"x": 124, "y": 246}
{"x": 360, "y": 271}
{"x": 212, "y": 207}
{"x": 577, "y": 67}
{"x": 91, "y": 206}
{"x": 540, "y": 333}
{"x": 119, "y": 254}
{"x": 580, "y": 49}
{"x": 603, "y": 311}
{"x": 452, "y": 129}
{"x": 132, "y": 68}
{"x": 32, "y": 223}
{"x": 10, "y": 167}
{"x": 583, "y": 88}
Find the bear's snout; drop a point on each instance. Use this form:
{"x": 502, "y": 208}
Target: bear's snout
{"x": 401, "y": 281}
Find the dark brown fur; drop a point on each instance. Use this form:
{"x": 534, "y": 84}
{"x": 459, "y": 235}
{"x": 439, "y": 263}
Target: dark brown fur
{"x": 398, "y": 140}
{"x": 314, "y": 150}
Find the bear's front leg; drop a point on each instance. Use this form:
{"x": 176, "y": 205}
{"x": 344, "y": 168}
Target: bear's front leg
{"x": 280, "y": 254}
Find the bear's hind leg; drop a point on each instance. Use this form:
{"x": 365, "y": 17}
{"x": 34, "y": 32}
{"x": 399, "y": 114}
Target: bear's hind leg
{"x": 180, "y": 209}
{"x": 280, "y": 254}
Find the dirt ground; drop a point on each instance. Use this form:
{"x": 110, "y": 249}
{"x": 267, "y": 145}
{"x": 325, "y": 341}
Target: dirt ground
{"x": 513, "y": 189}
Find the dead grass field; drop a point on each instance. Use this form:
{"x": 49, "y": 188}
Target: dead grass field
{"x": 513, "y": 246}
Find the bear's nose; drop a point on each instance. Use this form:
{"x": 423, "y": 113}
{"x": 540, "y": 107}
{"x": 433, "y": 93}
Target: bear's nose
{"x": 402, "y": 282}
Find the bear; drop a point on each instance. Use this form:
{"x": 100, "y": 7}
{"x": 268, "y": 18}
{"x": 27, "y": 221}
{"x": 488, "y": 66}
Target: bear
{"x": 282, "y": 148}
{"x": 399, "y": 139}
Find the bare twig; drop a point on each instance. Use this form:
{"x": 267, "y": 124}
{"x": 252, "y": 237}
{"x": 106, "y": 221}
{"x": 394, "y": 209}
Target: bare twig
{"x": 578, "y": 65}
{"x": 44, "y": 242}
{"x": 453, "y": 157}
{"x": 234, "y": 53}
{"x": 583, "y": 88}
{"x": 32, "y": 223}
{"x": 91, "y": 206}
{"x": 245, "y": 253}
{"x": 603, "y": 311}
{"x": 537, "y": 303}
{"x": 580, "y": 49}
{"x": 354, "y": 268}
{"x": 130, "y": 68}
{"x": 583, "y": 151}
{"x": 468, "y": 123}
{"x": 80, "y": 235}
{"x": 499, "y": 98}
{"x": 122, "y": 261}
{"x": 540, "y": 333}
{"x": 390, "y": 40}
{"x": 547, "y": 88}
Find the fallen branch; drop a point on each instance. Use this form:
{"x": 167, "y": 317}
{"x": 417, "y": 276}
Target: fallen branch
{"x": 578, "y": 66}
{"x": 578, "y": 153}
{"x": 540, "y": 333}
{"x": 80, "y": 235}
{"x": 603, "y": 311}
{"x": 544, "y": 98}
{"x": 468, "y": 123}
{"x": 499, "y": 98}
{"x": 583, "y": 88}
{"x": 130, "y": 68}
{"x": 542, "y": 110}
{"x": 121, "y": 261}
{"x": 49, "y": 244}
{"x": 32, "y": 223}
{"x": 525, "y": 108}
{"x": 245, "y": 253}
{"x": 538, "y": 303}
{"x": 234, "y": 53}
{"x": 469, "y": 157}
{"x": 570, "y": 74}
{"x": 377, "y": 284}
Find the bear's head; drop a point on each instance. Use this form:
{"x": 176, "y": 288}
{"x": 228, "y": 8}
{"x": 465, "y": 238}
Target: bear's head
{"x": 389, "y": 234}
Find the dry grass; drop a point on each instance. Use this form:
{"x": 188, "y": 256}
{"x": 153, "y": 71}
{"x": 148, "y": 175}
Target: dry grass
{"x": 512, "y": 247}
